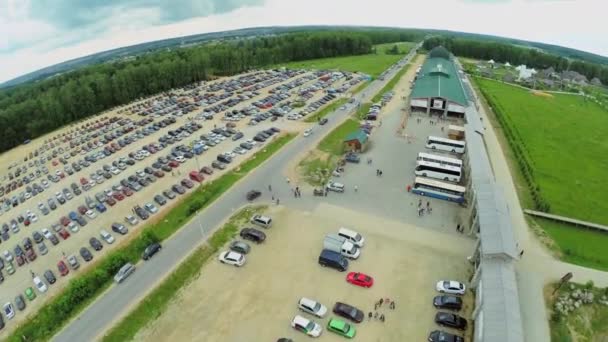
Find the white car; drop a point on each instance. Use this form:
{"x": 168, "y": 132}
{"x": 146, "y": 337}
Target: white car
{"x": 8, "y": 310}
{"x": 312, "y": 307}
{"x": 107, "y": 237}
{"x": 252, "y": 142}
{"x": 180, "y": 159}
{"x": 306, "y": 326}
{"x": 230, "y": 154}
{"x": 7, "y": 256}
{"x": 33, "y": 217}
{"x": 90, "y": 214}
{"x": 73, "y": 227}
{"x": 40, "y": 285}
{"x": 114, "y": 170}
{"x": 232, "y": 258}
{"x": 131, "y": 219}
{"x": 308, "y": 132}
{"x": 47, "y": 234}
{"x": 451, "y": 287}
{"x": 335, "y": 186}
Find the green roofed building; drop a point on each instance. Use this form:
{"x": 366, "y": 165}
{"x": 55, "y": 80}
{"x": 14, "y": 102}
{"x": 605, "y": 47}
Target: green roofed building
{"x": 356, "y": 141}
{"x": 438, "y": 88}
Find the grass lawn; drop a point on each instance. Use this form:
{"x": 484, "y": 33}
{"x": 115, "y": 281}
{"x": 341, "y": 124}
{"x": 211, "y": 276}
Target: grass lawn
{"x": 333, "y": 143}
{"x": 564, "y": 137}
{"x": 578, "y": 245}
{"x": 371, "y": 64}
{"x": 404, "y": 47}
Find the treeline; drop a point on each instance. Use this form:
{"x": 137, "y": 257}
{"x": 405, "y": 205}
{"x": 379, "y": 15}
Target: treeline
{"x": 515, "y": 55}
{"x": 31, "y": 110}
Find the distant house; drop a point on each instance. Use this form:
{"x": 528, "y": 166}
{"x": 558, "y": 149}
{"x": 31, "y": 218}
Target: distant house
{"x": 596, "y": 81}
{"x": 356, "y": 141}
{"x": 507, "y": 65}
{"x": 524, "y": 72}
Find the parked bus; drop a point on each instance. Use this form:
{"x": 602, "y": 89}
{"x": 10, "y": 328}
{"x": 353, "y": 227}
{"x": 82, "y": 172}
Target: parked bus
{"x": 437, "y": 143}
{"x": 434, "y": 158}
{"x": 438, "y": 171}
{"x": 437, "y": 189}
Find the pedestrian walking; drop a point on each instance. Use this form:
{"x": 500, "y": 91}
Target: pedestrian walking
{"x": 521, "y": 253}
{"x": 326, "y": 192}
{"x": 32, "y": 273}
{"x": 356, "y": 188}
{"x": 382, "y": 318}
{"x": 419, "y": 203}
{"x": 269, "y": 187}
{"x": 421, "y": 212}
{"x": 381, "y": 301}
{"x": 377, "y": 172}
{"x": 376, "y": 315}
{"x": 369, "y": 315}
{"x": 392, "y": 306}
{"x": 380, "y": 173}
{"x": 458, "y": 227}
{"x": 273, "y": 198}
{"x": 288, "y": 180}
{"x": 278, "y": 201}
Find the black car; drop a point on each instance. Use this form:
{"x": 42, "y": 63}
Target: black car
{"x": 253, "y": 194}
{"x": 451, "y": 320}
{"x": 37, "y": 237}
{"x": 151, "y": 250}
{"x": 119, "y": 228}
{"x": 448, "y": 302}
{"x": 218, "y": 165}
{"x": 20, "y": 302}
{"x": 349, "y": 312}
{"x": 253, "y": 234}
{"x": 224, "y": 158}
{"x": 442, "y": 336}
{"x": 50, "y": 277}
{"x": 160, "y": 200}
{"x": 246, "y": 146}
{"x": 166, "y": 168}
{"x": 95, "y": 244}
{"x": 323, "y": 121}
{"x": 143, "y": 214}
{"x": 179, "y": 189}
{"x": 86, "y": 254}
{"x": 54, "y": 240}
{"x": 259, "y": 138}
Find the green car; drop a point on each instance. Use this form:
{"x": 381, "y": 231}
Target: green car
{"x": 341, "y": 328}
{"x": 30, "y": 294}
{"x": 10, "y": 269}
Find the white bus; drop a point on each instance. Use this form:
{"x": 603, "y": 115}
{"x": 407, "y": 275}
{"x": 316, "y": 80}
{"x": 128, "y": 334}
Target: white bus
{"x": 440, "y": 190}
{"x": 438, "y": 171}
{"x": 429, "y": 157}
{"x": 437, "y": 143}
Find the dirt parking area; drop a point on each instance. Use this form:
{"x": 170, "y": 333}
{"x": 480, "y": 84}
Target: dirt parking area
{"x": 258, "y": 301}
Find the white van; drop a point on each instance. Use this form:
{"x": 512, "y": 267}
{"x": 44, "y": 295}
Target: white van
{"x": 262, "y": 221}
{"x": 352, "y": 236}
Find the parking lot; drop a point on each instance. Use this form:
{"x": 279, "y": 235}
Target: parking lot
{"x": 259, "y": 300}
{"x": 102, "y": 156}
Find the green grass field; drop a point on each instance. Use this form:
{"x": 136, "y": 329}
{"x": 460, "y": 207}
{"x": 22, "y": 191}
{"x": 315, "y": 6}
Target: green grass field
{"x": 371, "y": 64}
{"x": 578, "y": 245}
{"x": 565, "y": 139}
{"x": 333, "y": 143}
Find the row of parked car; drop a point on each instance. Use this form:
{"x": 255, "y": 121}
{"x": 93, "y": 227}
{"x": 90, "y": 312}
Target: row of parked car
{"x": 449, "y": 300}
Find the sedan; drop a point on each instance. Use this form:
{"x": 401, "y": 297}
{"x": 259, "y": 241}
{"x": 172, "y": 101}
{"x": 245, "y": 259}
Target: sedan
{"x": 451, "y": 287}
{"x": 9, "y": 312}
{"x": 253, "y": 194}
{"x": 151, "y": 208}
{"x": 306, "y": 326}
{"x": 179, "y": 189}
{"x": 63, "y": 268}
{"x": 20, "y": 302}
{"x": 253, "y": 234}
{"x": 160, "y": 200}
{"x": 86, "y": 254}
{"x": 169, "y": 194}
{"x": 448, "y": 302}
{"x": 232, "y": 258}
{"x": 442, "y": 336}
{"x": 312, "y": 307}
{"x": 187, "y": 183}
{"x": 240, "y": 247}
{"x": 40, "y": 285}
{"x": 50, "y": 276}
{"x": 360, "y": 279}
{"x": 341, "y": 328}
{"x": 151, "y": 250}
{"x": 348, "y": 312}
{"x": 95, "y": 244}
{"x": 451, "y": 320}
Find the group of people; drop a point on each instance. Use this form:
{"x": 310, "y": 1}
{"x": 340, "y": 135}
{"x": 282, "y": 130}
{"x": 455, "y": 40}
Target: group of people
{"x": 421, "y": 209}
{"x": 378, "y": 172}
{"x": 377, "y": 306}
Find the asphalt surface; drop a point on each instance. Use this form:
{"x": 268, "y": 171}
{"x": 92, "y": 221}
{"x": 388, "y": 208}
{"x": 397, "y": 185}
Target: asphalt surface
{"x": 112, "y": 305}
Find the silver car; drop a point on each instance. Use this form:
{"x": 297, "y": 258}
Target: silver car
{"x": 240, "y": 247}
{"x": 124, "y": 272}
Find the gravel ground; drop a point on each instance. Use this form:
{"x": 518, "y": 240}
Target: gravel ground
{"x": 257, "y": 301}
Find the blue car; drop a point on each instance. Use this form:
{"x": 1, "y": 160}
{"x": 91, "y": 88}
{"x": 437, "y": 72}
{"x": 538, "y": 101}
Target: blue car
{"x": 73, "y": 215}
{"x": 100, "y": 207}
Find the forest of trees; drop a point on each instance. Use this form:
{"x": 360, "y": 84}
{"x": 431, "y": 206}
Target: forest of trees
{"x": 515, "y": 55}
{"x": 30, "y": 110}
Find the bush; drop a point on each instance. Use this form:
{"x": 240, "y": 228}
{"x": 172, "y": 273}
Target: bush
{"x": 589, "y": 285}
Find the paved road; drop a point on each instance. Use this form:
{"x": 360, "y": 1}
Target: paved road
{"x": 115, "y": 302}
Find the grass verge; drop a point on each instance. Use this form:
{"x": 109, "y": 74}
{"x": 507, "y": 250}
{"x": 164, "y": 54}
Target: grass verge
{"x": 155, "y": 303}
{"x": 391, "y": 84}
{"x": 83, "y": 290}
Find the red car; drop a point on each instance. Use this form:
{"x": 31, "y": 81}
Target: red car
{"x": 127, "y": 191}
{"x": 119, "y": 196}
{"x": 110, "y": 201}
{"x": 63, "y": 233}
{"x": 64, "y": 221}
{"x": 63, "y": 268}
{"x": 82, "y": 209}
{"x": 83, "y": 181}
{"x": 360, "y": 279}
{"x": 195, "y": 176}
{"x": 26, "y": 222}
{"x": 173, "y": 164}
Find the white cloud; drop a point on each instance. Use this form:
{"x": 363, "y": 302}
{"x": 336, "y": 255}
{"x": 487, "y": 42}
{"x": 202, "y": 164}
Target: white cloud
{"x": 566, "y": 23}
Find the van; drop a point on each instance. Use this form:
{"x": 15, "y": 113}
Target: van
{"x": 262, "y": 221}
{"x": 333, "y": 259}
{"x": 352, "y": 236}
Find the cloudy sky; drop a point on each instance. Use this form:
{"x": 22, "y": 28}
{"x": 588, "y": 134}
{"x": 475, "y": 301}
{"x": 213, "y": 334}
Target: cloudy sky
{"x": 39, "y": 33}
